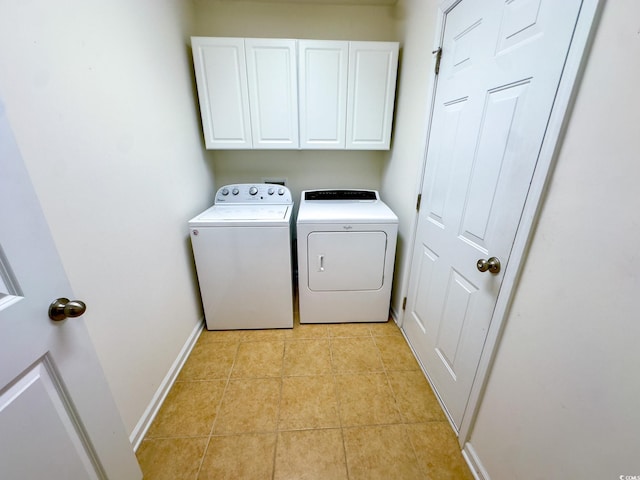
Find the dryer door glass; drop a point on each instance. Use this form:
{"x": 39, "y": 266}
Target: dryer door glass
{"x": 346, "y": 261}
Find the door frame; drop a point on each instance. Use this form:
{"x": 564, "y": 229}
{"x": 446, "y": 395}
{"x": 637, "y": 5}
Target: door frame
{"x": 588, "y": 17}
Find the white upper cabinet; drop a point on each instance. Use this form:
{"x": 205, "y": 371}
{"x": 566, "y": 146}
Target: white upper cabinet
{"x": 287, "y": 94}
{"x": 221, "y": 76}
{"x": 323, "y": 93}
{"x": 273, "y": 92}
{"x": 372, "y": 83}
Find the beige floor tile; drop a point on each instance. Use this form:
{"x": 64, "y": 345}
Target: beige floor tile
{"x": 212, "y": 336}
{"x": 307, "y": 330}
{"x": 414, "y": 397}
{"x": 366, "y": 399}
{"x": 353, "y": 355}
{"x": 249, "y": 405}
{"x": 189, "y": 409}
{"x": 396, "y": 354}
{"x": 263, "y": 335}
{"x": 288, "y": 392}
{"x": 349, "y": 330}
{"x": 387, "y": 328}
{"x": 307, "y": 357}
{"x": 382, "y": 452}
{"x": 438, "y": 452}
{"x": 234, "y": 457}
{"x": 310, "y": 455}
{"x": 209, "y": 360}
{"x": 308, "y": 402}
{"x": 259, "y": 359}
{"x": 171, "y": 458}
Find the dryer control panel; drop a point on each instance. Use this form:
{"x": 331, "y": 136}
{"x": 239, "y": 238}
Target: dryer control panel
{"x": 251, "y": 193}
{"x": 359, "y": 195}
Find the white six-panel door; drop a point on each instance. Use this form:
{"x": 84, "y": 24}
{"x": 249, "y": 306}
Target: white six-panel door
{"x": 500, "y": 69}
{"x": 57, "y": 418}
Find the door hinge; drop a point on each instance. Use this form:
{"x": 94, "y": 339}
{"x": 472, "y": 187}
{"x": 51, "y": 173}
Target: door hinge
{"x": 404, "y": 303}
{"x": 438, "y": 54}
{"x": 418, "y": 202}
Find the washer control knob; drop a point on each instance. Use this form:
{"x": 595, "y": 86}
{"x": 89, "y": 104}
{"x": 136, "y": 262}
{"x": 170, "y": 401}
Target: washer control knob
{"x": 225, "y": 191}
{"x": 281, "y": 191}
{"x": 235, "y": 191}
{"x": 270, "y": 191}
{"x": 253, "y": 191}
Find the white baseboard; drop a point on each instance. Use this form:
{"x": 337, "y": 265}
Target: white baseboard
{"x": 394, "y": 315}
{"x": 475, "y": 465}
{"x": 151, "y": 411}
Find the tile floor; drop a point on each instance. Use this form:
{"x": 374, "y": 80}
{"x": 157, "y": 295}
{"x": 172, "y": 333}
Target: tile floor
{"x": 339, "y": 401}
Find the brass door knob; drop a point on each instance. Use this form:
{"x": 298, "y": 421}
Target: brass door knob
{"x": 63, "y": 308}
{"x": 493, "y": 265}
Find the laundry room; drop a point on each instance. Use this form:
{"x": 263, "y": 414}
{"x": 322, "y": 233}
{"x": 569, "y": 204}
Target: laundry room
{"x": 101, "y": 100}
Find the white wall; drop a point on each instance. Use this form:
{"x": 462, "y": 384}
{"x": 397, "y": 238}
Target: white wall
{"x": 226, "y": 18}
{"x": 303, "y": 169}
{"x": 100, "y": 98}
{"x": 402, "y": 172}
{"x": 562, "y": 399}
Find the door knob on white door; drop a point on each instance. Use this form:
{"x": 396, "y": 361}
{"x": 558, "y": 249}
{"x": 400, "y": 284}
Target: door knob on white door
{"x": 493, "y": 265}
{"x": 63, "y": 308}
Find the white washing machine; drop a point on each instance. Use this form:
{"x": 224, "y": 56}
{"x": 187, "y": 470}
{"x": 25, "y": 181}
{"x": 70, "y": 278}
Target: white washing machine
{"x": 346, "y": 256}
{"x": 242, "y": 250}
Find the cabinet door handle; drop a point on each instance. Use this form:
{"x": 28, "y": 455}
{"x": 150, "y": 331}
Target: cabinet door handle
{"x": 321, "y": 263}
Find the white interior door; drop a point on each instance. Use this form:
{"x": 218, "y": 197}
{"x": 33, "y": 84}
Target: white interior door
{"x": 500, "y": 69}
{"x": 57, "y": 417}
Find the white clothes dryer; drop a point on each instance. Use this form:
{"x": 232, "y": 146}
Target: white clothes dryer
{"x": 346, "y": 255}
{"x": 242, "y": 250}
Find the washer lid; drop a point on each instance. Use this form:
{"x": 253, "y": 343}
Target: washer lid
{"x": 244, "y": 214}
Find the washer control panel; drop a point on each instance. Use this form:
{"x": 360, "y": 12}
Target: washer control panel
{"x": 262, "y": 193}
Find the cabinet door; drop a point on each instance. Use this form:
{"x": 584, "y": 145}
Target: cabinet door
{"x": 273, "y": 92}
{"x": 323, "y": 93}
{"x": 372, "y": 84}
{"x": 221, "y": 78}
